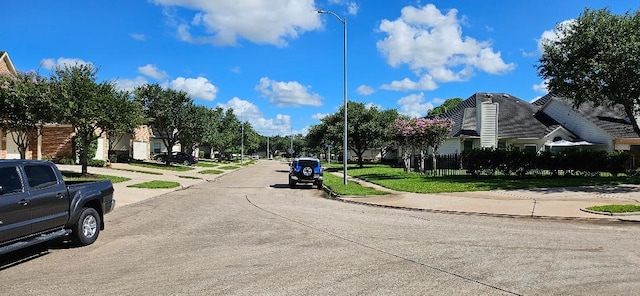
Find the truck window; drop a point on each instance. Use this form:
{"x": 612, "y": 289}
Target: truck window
{"x": 10, "y": 180}
{"x": 40, "y": 176}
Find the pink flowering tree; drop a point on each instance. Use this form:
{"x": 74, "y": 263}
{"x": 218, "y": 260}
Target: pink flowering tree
{"x": 418, "y": 134}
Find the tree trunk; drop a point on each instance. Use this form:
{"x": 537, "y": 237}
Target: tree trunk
{"x": 83, "y": 155}
{"x": 406, "y": 157}
{"x": 422, "y": 159}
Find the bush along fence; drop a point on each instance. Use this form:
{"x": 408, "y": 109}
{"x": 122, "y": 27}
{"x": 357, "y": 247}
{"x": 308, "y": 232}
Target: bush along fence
{"x": 570, "y": 162}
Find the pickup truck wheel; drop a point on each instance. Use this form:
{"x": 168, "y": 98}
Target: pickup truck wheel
{"x": 87, "y": 227}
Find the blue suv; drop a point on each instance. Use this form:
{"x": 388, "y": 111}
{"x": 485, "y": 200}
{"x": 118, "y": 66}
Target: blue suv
{"x": 305, "y": 170}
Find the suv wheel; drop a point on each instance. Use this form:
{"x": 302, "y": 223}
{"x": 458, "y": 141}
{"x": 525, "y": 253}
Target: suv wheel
{"x": 292, "y": 183}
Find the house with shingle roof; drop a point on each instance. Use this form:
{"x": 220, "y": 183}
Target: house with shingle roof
{"x": 501, "y": 120}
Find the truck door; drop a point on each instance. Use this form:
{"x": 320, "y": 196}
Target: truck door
{"x": 15, "y": 212}
{"x": 49, "y": 197}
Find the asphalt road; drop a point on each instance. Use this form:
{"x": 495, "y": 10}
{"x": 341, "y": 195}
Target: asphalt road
{"x": 247, "y": 233}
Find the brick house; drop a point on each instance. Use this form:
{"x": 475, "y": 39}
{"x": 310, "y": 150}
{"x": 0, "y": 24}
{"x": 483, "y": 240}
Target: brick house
{"x": 55, "y": 141}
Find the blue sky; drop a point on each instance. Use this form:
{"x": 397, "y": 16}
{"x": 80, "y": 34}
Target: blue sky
{"x": 280, "y": 65}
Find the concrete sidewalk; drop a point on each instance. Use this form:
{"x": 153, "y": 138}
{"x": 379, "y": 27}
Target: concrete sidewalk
{"x": 127, "y": 195}
{"x": 550, "y": 203}
{"x": 543, "y": 203}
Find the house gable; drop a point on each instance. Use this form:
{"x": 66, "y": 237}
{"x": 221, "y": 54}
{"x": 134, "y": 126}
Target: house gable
{"x": 6, "y": 66}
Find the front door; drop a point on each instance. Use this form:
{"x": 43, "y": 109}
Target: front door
{"x": 15, "y": 212}
{"x": 49, "y": 197}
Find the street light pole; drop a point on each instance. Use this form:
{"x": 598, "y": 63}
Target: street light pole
{"x": 344, "y": 95}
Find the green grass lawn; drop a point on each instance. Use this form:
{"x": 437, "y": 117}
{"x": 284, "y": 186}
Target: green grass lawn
{"x": 616, "y": 208}
{"x": 211, "y": 172}
{"x": 337, "y": 185}
{"x": 206, "y": 164}
{"x": 397, "y": 179}
{"x": 156, "y": 184}
{"x": 159, "y": 166}
{"x": 74, "y": 176}
{"x": 138, "y": 171}
{"x": 189, "y": 177}
{"x": 229, "y": 167}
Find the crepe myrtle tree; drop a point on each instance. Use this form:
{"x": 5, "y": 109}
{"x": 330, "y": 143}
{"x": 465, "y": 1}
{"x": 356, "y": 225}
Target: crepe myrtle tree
{"x": 24, "y": 107}
{"x": 595, "y": 59}
{"x": 418, "y": 134}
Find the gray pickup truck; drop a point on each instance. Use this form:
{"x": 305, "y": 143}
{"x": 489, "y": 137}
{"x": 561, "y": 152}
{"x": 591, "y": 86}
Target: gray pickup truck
{"x": 37, "y": 205}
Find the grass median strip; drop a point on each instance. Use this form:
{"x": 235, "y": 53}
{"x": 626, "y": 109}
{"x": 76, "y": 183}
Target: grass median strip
{"x": 189, "y": 177}
{"x": 75, "y": 176}
{"x": 229, "y": 167}
{"x": 139, "y": 171}
{"x": 156, "y": 184}
{"x": 211, "y": 172}
{"x": 616, "y": 208}
{"x": 159, "y": 166}
{"x": 337, "y": 185}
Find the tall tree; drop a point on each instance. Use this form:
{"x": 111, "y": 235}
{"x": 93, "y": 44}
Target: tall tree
{"x": 447, "y": 105}
{"x": 24, "y": 107}
{"x": 167, "y": 111}
{"x": 366, "y": 127}
{"x": 212, "y": 126}
{"x": 124, "y": 116}
{"x": 228, "y": 131}
{"x": 195, "y": 128}
{"x": 81, "y": 102}
{"x": 596, "y": 59}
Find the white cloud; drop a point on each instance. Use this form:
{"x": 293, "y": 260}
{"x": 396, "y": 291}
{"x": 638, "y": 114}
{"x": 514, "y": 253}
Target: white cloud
{"x": 61, "y": 62}
{"x": 553, "y": 35}
{"x": 198, "y": 88}
{"x": 426, "y": 82}
{"x": 247, "y": 111}
{"x": 542, "y": 87}
{"x": 236, "y": 70}
{"x": 319, "y": 116}
{"x": 432, "y": 44}
{"x": 414, "y": 106}
{"x": 153, "y": 72}
{"x": 130, "y": 84}
{"x": 226, "y": 21}
{"x": 365, "y": 90}
{"x": 139, "y": 37}
{"x": 288, "y": 94}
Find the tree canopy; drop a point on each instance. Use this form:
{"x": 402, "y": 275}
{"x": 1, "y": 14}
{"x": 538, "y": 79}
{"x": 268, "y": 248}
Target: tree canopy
{"x": 85, "y": 104}
{"x": 366, "y": 128}
{"x": 447, "y": 105}
{"x": 596, "y": 59}
{"x": 168, "y": 112}
{"x": 24, "y": 107}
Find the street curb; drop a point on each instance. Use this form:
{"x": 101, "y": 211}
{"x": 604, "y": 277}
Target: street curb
{"x": 335, "y": 196}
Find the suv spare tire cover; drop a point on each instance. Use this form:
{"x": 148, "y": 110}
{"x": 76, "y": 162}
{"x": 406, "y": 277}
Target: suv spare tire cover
{"x": 307, "y": 171}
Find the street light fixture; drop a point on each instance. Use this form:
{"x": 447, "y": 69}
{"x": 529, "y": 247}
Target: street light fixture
{"x": 344, "y": 52}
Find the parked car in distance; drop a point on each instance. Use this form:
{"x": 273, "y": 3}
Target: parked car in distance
{"x": 306, "y": 170}
{"x": 176, "y": 157}
{"x": 37, "y": 205}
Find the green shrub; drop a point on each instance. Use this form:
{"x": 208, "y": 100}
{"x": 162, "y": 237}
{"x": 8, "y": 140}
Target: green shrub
{"x": 96, "y": 163}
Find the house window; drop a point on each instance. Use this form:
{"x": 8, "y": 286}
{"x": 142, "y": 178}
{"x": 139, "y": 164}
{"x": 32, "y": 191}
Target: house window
{"x": 467, "y": 145}
{"x": 156, "y": 147}
{"x": 530, "y": 148}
